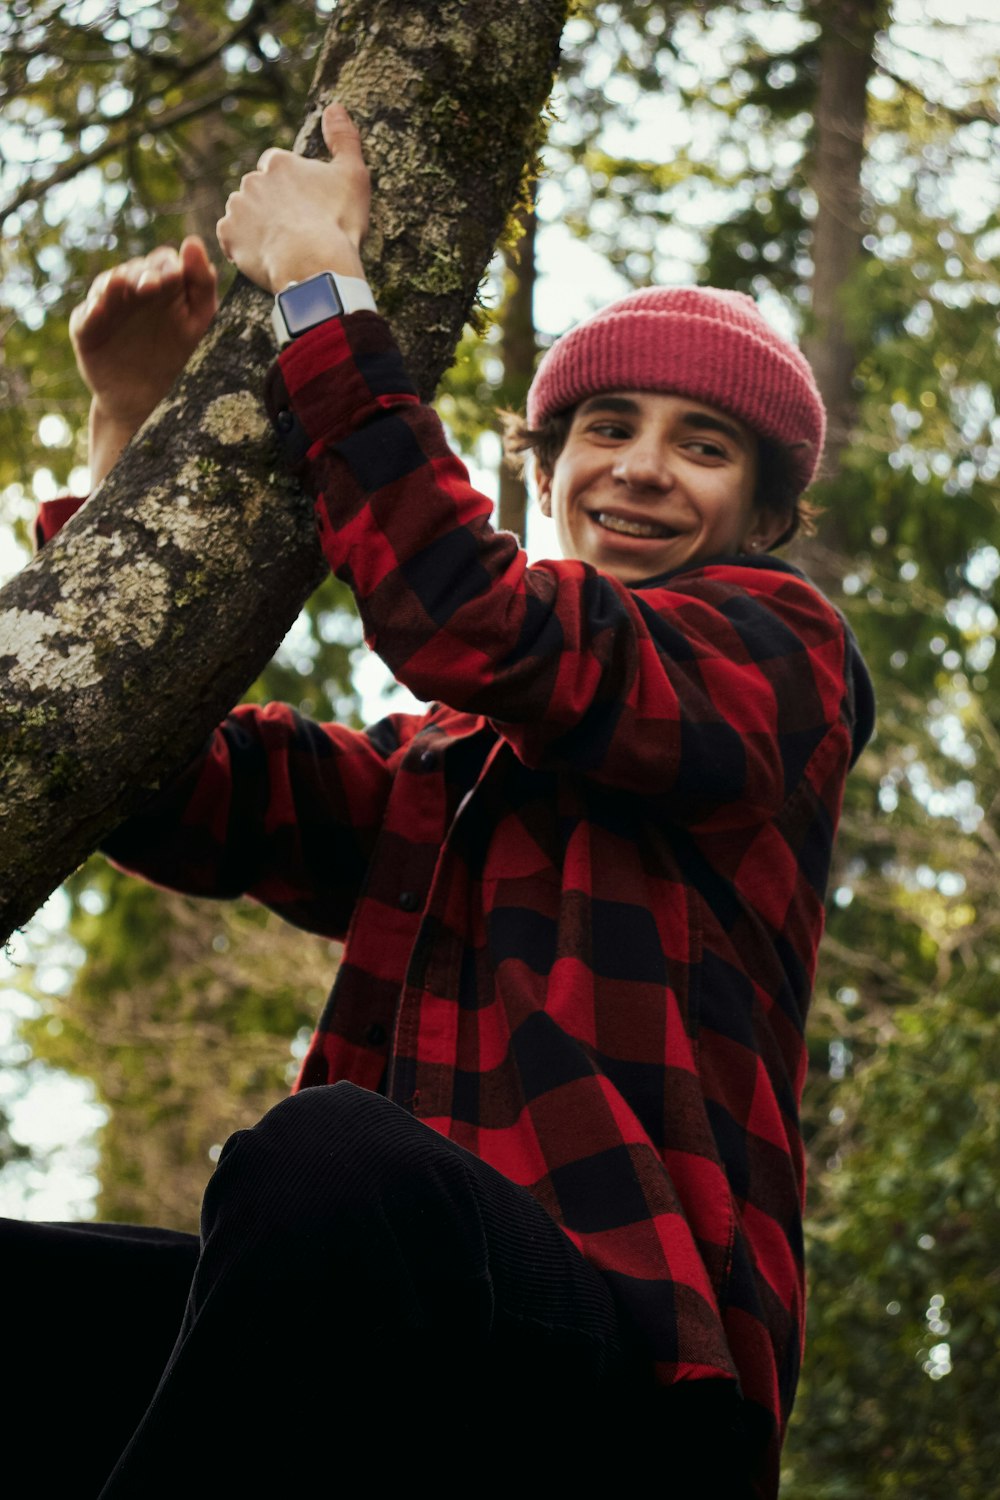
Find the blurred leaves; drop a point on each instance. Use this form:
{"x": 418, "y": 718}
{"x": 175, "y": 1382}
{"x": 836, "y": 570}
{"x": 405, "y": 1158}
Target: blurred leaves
{"x": 124, "y": 126}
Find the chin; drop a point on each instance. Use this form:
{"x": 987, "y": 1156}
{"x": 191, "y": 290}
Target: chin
{"x": 637, "y": 569}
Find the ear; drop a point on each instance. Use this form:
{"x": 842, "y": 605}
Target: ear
{"x": 543, "y": 489}
{"x": 765, "y": 528}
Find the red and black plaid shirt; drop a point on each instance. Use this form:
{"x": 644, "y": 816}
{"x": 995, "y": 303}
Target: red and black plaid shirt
{"x": 582, "y": 895}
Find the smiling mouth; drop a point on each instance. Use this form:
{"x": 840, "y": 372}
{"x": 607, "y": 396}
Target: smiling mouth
{"x": 625, "y": 526}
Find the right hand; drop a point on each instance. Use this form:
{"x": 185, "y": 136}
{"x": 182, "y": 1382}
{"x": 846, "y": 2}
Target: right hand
{"x": 296, "y": 216}
{"x": 139, "y": 326}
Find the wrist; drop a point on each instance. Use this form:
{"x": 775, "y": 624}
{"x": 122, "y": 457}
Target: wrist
{"x": 110, "y": 433}
{"x": 115, "y": 420}
{"x": 302, "y": 265}
{"x": 304, "y": 305}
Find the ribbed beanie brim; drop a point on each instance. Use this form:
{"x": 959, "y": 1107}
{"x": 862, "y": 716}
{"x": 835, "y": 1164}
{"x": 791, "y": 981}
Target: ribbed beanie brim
{"x": 713, "y": 346}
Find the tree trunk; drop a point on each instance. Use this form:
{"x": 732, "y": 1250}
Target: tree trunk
{"x": 846, "y": 64}
{"x": 146, "y": 618}
{"x": 518, "y": 348}
{"x": 847, "y": 61}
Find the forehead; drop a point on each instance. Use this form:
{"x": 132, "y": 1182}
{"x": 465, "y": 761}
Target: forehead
{"x": 662, "y": 406}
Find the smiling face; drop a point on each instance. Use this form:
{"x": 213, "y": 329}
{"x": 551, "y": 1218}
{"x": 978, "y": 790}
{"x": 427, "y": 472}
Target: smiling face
{"x": 648, "y": 482}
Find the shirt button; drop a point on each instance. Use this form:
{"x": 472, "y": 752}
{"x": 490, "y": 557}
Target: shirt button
{"x": 427, "y": 759}
{"x": 284, "y": 422}
{"x": 409, "y": 900}
{"x": 375, "y": 1035}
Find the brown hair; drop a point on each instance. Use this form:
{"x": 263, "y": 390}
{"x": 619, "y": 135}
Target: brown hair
{"x": 775, "y": 490}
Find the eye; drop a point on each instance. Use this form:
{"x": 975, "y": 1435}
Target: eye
{"x": 608, "y": 428}
{"x": 707, "y": 448}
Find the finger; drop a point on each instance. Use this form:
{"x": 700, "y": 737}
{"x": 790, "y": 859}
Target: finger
{"x": 78, "y": 317}
{"x": 125, "y": 276}
{"x": 98, "y": 285}
{"x": 270, "y": 156}
{"x": 160, "y": 267}
{"x": 109, "y": 295}
{"x": 222, "y": 228}
{"x": 198, "y": 269}
{"x": 340, "y": 133}
{"x": 164, "y": 259}
{"x": 108, "y": 288}
{"x": 199, "y": 276}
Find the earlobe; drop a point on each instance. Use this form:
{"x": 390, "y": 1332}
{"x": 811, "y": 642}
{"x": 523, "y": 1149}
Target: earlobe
{"x": 765, "y": 533}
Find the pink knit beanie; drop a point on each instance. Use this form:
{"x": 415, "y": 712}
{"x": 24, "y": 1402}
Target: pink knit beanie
{"x": 711, "y": 345}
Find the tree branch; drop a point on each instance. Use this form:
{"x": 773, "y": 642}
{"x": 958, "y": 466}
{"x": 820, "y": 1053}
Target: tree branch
{"x": 959, "y": 116}
{"x": 140, "y": 625}
{"x": 181, "y": 115}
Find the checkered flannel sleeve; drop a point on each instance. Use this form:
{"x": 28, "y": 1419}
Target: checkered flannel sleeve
{"x": 276, "y": 807}
{"x": 711, "y": 691}
{"x": 52, "y": 516}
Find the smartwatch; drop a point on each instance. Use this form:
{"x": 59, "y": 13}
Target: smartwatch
{"x": 305, "y": 304}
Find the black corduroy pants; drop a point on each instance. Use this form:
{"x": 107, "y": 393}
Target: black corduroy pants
{"x": 364, "y": 1292}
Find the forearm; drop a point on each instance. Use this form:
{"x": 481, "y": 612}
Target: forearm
{"x": 276, "y": 808}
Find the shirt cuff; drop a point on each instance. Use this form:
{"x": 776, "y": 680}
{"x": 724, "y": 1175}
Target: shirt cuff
{"x": 53, "y": 515}
{"x": 333, "y": 380}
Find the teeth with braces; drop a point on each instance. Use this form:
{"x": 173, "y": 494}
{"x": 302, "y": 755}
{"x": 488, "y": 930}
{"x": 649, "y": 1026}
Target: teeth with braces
{"x": 632, "y": 528}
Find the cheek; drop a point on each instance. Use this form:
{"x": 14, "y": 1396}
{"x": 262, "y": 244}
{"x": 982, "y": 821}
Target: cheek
{"x": 733, "y": 512}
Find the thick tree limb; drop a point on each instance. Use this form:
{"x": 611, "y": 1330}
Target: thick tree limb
{"x": 147, "y": 617}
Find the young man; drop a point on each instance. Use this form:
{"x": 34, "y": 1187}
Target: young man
{"x": 545, "y": 1148}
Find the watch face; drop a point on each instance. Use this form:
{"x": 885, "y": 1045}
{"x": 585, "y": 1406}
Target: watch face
{"x": 309, "y": 303}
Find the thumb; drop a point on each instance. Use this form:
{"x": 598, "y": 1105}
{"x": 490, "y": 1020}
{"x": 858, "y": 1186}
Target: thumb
{"x": 199, "y": 273}
{"x": 340, "y": 133}
{"x": 194, "y": 258}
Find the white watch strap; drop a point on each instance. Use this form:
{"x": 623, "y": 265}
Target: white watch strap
{"x": 355, "y": 293}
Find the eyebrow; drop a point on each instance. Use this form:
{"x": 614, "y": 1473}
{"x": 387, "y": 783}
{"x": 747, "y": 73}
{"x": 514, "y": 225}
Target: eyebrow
{"x": 700, "y": 420}
{"x": 696, "y": 420}
{"x": 609, "y": 403}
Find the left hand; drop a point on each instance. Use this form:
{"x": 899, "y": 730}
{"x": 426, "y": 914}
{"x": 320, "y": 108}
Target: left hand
{"x": 139, "y": 326}
{"x": 134, "y": 334}
{"x": 294, "y": 217}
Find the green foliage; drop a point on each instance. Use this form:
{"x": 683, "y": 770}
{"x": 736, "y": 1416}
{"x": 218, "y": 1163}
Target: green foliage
{"x": 904, "y": 1353}
{"x": 124, "y": 126}
{"x": 182, "y": 1012}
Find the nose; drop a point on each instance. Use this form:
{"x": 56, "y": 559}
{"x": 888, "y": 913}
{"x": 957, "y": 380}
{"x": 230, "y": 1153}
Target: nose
{"x": 643, "y": 464}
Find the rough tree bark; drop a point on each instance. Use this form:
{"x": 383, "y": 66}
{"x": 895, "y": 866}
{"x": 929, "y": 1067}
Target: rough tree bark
{"x": 147, "y": 617}
{"x": 846, "y": 61}
{"x": 846, "y": 64}
{"x": 518, "y": 348}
